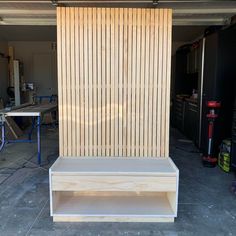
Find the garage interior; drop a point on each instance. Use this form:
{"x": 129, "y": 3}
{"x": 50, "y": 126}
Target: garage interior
{"x": 202, "y": 69}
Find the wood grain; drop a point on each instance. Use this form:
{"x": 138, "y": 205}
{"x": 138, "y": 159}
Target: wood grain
{"x": 115, "y": 189}
{"x": 114, "y": 81}
{"x": 111, "y": 219}
{"x": 113, "y": 183}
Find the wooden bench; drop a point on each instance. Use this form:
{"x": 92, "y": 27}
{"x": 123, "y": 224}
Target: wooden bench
{"x": 113, "y": 189}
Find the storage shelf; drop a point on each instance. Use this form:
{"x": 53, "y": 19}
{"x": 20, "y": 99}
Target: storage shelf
{"x": 113, "y": 206}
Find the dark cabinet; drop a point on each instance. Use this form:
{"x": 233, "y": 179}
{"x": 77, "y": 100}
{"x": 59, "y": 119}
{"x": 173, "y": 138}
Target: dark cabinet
{"x": 233, "y": 144}
{"x": 218, "y": 84}
{"x": 191, "y": 121}
{"x": 179, "y": 112}
{"x": 187, "y": 77}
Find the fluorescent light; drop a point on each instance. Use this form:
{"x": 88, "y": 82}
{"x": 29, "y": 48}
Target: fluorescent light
{"x": 28, "y": 21}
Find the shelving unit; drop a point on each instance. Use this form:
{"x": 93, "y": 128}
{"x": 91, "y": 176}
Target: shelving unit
{"x": 114, "y": 189}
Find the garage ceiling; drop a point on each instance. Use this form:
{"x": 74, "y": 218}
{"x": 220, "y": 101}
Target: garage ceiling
{"x": 189, "y": 12}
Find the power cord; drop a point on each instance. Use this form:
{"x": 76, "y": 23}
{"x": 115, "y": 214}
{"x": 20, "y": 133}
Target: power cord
{"x": 27, "y": 167}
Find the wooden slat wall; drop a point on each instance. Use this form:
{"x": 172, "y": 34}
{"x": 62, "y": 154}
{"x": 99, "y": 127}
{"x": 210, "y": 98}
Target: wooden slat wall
{"x": 114, "y": 81}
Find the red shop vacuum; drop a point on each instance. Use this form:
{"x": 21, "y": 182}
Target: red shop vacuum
{"x": 209, "y": 160}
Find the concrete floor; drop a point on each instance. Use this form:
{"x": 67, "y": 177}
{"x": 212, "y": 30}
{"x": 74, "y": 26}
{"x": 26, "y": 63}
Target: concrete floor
{"x": 206, "y": 206}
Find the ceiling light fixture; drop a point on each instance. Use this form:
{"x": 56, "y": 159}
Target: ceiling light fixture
{"x": 155, "y": 2}
{"x": 55, "y": 3}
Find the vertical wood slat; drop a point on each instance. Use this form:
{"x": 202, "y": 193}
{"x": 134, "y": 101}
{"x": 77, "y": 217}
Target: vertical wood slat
{"x": 114, "y": 81}
{"x": 129, "y": 80}
{"x": 146, "y": 81}
{"x": 99, "y": 82}
{"x": 108, "y": 81}
{"x": 163, "y": 77}
{"x": 68, "y": 80}
{"x": 81, "y": 119}
{"x": 160, "y": 111}
{"x": 150, "y": 87}
{"x": 138, "y": 79}
{"x": 142, "y": 74}
{"x": 60, "y": 85}
{"x": 73, "y": 80}
{"x": 133, "y": 84}
{"x": 78, "y": 84}
{"x": 64, "y": 117}
{"x": 95, "y": 82}
{"x": 86, "y": 81}
{"x": 169, "y": 40}
{"x": 103, "y": 82}
{"x": 120, "y": 83}
{"x": 90, "y": 85}
{"x": 156, "y": 90}
{"x": 124, "y": 70}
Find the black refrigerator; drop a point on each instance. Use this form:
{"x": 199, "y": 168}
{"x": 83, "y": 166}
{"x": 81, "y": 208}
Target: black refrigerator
{"x": 218, "y": 84}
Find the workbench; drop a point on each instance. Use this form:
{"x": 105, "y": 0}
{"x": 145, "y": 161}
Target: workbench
{"x": 26, "y": 110}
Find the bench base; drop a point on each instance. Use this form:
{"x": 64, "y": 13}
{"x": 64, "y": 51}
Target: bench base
{"x": 113, "y": 190}
{"x": 111, "y": 219}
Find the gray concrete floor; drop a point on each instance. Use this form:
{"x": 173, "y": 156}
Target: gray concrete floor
{"x": 206, "y": 206}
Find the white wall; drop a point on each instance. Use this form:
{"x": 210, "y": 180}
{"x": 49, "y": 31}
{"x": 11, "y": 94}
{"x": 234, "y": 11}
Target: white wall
{"x": 40, "y": 64}
{"x": 3, "y": 71}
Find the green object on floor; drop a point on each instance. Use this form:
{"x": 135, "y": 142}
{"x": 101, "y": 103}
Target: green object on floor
{"x": 224, "y": 158}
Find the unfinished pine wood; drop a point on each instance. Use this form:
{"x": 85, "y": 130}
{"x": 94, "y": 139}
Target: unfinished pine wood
{"x": 156, "y": 91}
{"x": 114, "y": 81}
{"x": 133, "y": 82}
{"x": 151, "y": 82}
{"x": 77, "y": 84}
{"x": 120, "y": 82}
{"x": 73, "y": 81}
{"x": 99, "y": 83}
{"x": 114, "y": 189}
{"x": 132, "y": 207}
{"x": 137, "y": 81}
{"x": 169, "y": 37}
{"x": 142, "y": 84}
{"x": 95, "y": 82}
{"x": 113, "y": 183}
{"x": 103, "y": 83}
{"x": 124, "y": 71}
{"x": 112, "y": 219}
{"x": 81, "y": 105}
{"x": 114, "y": 205}
{"x": 160, "y": 114}
{"x": 87, "y": 68}
{"x": 114, "y": 166}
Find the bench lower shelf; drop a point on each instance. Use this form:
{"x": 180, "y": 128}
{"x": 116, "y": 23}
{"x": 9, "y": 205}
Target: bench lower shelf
{"x": 123, "y": 208}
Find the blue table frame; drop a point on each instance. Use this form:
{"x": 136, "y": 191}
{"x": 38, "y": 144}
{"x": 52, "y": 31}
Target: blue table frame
{"x": 34, "y": 111}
